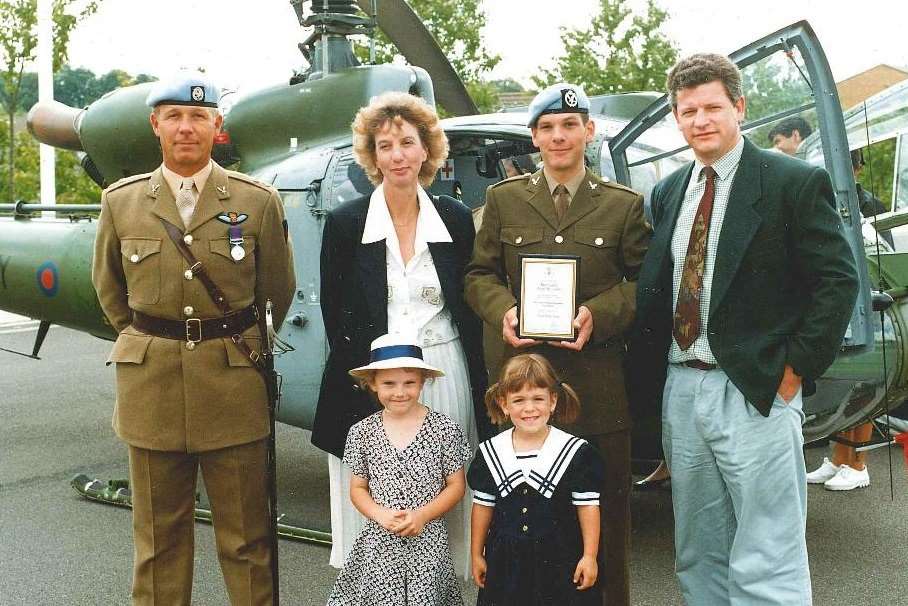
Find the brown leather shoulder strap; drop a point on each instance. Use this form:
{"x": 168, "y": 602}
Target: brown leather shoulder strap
{"x": 197, "y": 269}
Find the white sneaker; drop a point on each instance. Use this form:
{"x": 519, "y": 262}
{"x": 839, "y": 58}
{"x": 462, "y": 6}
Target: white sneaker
{"x": 848, "y": 478}
{"x": 823, "y": 473}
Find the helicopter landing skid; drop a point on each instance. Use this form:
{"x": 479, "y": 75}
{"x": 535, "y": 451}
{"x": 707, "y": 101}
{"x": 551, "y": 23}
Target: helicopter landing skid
{"x": 116, "y": 492}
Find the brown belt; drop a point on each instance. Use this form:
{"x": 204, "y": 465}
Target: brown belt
{"x": 699, "y": 365}
{"x": 194, "y": 330}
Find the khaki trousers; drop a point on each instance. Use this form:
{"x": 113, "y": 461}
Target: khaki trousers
{"x": 163, "y": 494}
{"x": 615, "y": 505}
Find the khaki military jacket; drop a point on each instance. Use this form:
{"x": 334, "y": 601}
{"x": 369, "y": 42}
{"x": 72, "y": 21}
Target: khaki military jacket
{"x": 170, "y": 397}
{"x": 604, "y": 226}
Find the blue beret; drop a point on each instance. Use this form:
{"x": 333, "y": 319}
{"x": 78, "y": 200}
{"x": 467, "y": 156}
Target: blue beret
{"x": 561, "y": 98}
{"x": 184, "y": 88}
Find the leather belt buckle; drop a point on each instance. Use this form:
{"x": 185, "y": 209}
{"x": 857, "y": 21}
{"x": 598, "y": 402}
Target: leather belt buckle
{"x": 193, "y": 330}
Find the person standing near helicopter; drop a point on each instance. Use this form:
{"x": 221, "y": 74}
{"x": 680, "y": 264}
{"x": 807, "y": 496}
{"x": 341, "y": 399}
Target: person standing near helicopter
{"x": 189, "y": 392}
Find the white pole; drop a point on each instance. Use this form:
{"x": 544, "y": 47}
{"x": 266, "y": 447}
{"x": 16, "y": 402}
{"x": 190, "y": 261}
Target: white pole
{"x": 46, "y": 93}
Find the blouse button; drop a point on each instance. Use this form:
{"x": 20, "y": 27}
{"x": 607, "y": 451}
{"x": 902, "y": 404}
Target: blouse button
{"x": 559, "y": 239}
{"x": 525, "y": 528}
{"x": 524, "y": 510}
{"x": 518, "y": 239}
{"x": 524, "y": 491}
{"x": 599, "y": 241}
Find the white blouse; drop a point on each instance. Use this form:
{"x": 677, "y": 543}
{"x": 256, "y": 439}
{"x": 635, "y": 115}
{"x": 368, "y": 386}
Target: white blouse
{"x": 415, "y": 299}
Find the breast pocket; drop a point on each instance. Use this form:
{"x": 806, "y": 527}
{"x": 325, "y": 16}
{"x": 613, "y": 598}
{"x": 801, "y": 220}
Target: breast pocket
{"x": 516, "y": 240}
{"x": 142, "y": 266}
{"x": 241, "y": 282}
{"x": 598, "y": 249}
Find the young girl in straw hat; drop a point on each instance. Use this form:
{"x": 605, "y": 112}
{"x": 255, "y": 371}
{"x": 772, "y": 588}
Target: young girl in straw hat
{"x": 407, "y": 463}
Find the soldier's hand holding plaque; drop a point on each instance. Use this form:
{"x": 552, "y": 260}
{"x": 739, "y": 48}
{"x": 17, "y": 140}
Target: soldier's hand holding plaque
{"x": 547, "y": 302}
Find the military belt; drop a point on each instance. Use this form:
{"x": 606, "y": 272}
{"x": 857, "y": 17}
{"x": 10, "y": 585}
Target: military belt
{"x": 195, "y": 330}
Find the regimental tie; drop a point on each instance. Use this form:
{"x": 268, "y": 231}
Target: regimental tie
{"x": 562, "y": 200}
{"x": 686, "y": 324}
{"x": 186, "y": 201}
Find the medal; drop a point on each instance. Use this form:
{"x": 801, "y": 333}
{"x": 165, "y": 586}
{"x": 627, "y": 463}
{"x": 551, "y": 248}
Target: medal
{"x": 237, "y": 252}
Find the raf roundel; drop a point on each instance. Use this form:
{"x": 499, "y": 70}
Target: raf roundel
{"x": 48, "y": 278}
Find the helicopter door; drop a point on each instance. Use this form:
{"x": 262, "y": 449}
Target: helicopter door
{"x": 784, "y": 75}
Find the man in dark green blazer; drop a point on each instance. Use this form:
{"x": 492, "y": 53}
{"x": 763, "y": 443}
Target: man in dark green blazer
{"x": 742, "y": 301}
{"x": 566, "y": 209}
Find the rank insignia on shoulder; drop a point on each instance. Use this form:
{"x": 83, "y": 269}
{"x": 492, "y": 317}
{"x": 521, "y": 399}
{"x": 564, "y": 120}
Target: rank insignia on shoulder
{"x": 593, "y": 185}
{"x": 232, "y": 218}
{"x": 222, "y": 189}
{"x": 154, "y": 188}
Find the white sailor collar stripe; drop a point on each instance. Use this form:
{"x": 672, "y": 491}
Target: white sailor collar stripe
{"x": 547, "y": 470}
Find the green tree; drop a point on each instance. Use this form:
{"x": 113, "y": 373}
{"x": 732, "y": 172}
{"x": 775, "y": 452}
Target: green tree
{"x": 457, "y": 26}
{"x": 18, "y": 48}
{"x": 618, "y": 52}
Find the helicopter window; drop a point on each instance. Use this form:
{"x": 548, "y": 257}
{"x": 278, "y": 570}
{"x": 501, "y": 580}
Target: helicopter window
{"x": 476, "y": 162}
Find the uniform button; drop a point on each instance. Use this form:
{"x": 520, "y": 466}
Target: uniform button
{"x": 599, "y": 241}
{"x": 525, "y": 528}
{"x": 188, "y": 239}
{"x": 524, "y": 510}
{"x": 190, "y": 345}
{"x": 188, "y": 274}
{"x": 188, "y": 310}
{"x": 134, "y": 258}
{"x": 518, "y": 239}
{"x": 559, "y": 239}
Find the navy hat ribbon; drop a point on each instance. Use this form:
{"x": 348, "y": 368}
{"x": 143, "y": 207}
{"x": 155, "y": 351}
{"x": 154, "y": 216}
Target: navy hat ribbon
{"x": 395, "y": 351}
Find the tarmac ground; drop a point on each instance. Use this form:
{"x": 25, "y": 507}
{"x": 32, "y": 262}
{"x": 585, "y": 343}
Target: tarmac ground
{"x": 57, "y": 548}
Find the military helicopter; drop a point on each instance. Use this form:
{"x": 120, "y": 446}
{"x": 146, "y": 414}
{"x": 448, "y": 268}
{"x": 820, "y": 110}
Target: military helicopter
{"x": 296, "y": 137}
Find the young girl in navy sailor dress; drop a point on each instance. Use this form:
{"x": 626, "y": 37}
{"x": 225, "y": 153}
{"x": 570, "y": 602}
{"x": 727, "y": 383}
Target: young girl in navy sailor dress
{"x": 408, "y": 471}
{"x": 535, "y": 530}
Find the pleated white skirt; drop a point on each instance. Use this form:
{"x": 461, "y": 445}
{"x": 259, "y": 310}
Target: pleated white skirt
{"x": 449, "y": 395}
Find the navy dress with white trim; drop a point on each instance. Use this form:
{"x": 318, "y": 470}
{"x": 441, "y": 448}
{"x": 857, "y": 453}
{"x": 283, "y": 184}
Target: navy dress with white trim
{"x": 534, "y": 540}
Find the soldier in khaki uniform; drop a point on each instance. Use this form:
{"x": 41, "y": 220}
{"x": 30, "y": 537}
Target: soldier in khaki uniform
{"x": 565, "y": 209}
{"x": 188, "y": 396}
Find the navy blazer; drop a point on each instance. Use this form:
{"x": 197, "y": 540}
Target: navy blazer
{"x": 354, "y": 303}
{"x": 784, "y": 285}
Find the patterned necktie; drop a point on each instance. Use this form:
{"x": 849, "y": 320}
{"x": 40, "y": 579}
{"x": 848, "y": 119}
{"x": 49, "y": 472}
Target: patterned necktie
{"x": 186, "y": 201}
{"x": 686, "y": 324}
{"x": 562, "y": 200}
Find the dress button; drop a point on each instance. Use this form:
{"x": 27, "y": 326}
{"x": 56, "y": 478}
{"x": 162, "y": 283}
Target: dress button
{"x": 524, "y": 491}
{"x": 559, "y": 239}
{"x": 134, "y": 258}
{"x": 188, "y": 274}
{"x": 190, "y": 345}
{"x": 525, "y": 528}
{"x": 518, "y": 239}
{"x": 188, "y": 239}
{"x": 599, "y": 241}
{"x": 188, "y": 310}
{"x": 524, "y": 510}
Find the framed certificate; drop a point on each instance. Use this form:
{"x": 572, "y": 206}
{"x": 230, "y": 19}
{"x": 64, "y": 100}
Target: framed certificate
{"x": 547, "y": 304}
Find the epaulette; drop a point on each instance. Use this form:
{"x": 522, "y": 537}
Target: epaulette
{"x": 247, "y": 179}
{"x": 522, "y": 177}
{"x": 616, "y": 185}
{"x": 127, "y": 181}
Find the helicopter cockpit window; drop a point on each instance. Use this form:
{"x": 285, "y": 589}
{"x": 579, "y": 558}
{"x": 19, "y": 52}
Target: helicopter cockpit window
{"x": 475, "y": 162}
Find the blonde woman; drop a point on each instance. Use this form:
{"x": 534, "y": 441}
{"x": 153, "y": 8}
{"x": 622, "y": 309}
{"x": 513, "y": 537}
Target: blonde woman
{"x": 394, "y": 263}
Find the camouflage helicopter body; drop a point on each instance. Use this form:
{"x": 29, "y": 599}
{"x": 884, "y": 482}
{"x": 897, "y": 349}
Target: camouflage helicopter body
{"x": 296, "y": 137}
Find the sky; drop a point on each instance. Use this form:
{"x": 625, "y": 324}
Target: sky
{"x": 253, "y": 44}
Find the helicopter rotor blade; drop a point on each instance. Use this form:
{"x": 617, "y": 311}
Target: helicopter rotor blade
{"x": 406, "y": 30}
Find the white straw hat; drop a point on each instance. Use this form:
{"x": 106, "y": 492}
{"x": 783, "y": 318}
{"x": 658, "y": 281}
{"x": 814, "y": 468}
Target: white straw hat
{"x": 395, "y": 351}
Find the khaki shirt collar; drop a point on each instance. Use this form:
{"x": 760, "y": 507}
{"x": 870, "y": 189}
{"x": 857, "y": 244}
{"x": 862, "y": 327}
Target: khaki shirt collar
{"x": 174, "y": 180}
{"x": 572, "y": 185}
